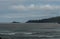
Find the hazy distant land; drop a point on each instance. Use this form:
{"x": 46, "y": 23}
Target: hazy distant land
{"x": 46, "y": 20}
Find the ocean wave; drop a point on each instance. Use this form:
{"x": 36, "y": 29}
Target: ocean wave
{"x": 45, "y": 36}
{"x": 15, "y": 33}
{"x": 7, "y": 33}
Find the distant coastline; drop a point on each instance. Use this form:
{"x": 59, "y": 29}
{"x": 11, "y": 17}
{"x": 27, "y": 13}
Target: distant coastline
{"x": 48, "y": 20}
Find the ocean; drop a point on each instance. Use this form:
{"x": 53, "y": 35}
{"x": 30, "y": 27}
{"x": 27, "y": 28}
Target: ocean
{"x": 42, "y": 34}
{"x": 12, "y": 31}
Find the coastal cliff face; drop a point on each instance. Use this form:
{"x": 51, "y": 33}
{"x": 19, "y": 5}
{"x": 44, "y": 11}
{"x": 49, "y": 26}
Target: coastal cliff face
{"x": 48, "y": 20}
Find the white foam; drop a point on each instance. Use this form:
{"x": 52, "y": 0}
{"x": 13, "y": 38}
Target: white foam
{"x": 7, "y": 33}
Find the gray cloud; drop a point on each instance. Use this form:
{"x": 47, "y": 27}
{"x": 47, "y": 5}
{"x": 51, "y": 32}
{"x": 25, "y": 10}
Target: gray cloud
{"x": 28, "y": 9}
{"x": 35, "y": 7}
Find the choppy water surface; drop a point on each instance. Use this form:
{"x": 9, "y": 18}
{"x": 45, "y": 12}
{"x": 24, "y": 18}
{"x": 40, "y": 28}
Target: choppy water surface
{"x": 42, "y": 34}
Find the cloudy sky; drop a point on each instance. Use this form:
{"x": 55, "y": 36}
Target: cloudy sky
{"x": 23, "y": 10}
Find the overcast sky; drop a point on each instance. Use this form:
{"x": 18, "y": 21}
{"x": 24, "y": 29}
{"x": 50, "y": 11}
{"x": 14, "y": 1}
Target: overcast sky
{"x": 23, "y": 10}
